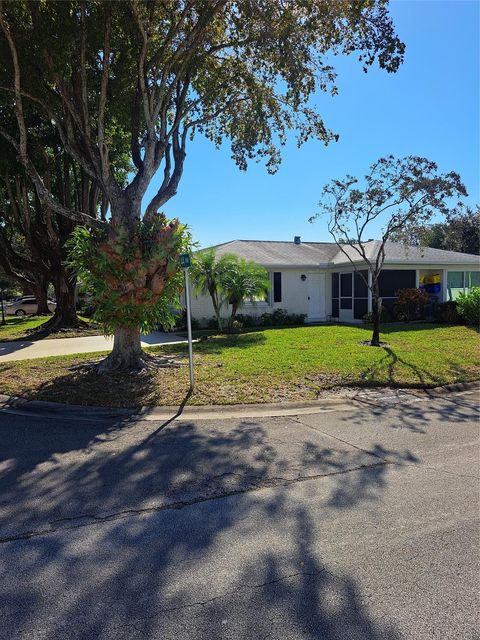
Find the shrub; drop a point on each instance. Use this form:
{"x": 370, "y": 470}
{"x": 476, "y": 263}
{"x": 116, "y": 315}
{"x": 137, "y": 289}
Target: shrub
{"x": 181, "y": 322}
{"x": 275, "y": 318}
{"x": 281, "y": 317}
{"x": 447, "y": 313}
{"x": 247, "y": 320}
{"x": 235, "y": 327}
{"x": 411, "y": 304}
{"x": 212, "y": 323}
{"x": 296, "y": 318}
{"x": 385, "y": 317}
{"x": 468, "y": 305}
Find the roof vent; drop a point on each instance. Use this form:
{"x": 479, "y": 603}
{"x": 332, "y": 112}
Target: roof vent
{"x": 297, "y": 240}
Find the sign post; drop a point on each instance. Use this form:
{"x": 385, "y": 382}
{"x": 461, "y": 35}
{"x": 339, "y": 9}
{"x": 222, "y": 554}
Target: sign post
{"x": 185, "y": 263}
{"x": 3, "y": 309}
{"x": 1, "y": 302}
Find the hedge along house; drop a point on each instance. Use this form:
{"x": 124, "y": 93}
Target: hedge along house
{"x": 318, "y": 280}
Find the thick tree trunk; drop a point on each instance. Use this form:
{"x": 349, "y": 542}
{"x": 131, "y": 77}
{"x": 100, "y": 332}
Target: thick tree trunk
{"x": 65, "y": 315}
{"x": 127, "y": 354}
{"x": 39, "y": 290}
{"x": 376, "y": 315}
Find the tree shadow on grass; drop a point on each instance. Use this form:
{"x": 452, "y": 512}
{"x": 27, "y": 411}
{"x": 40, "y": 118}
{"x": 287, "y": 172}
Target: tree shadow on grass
{"x": 160, "y": 530}
{"x": 422, "y": 377}
{"x": 82, "y": 385}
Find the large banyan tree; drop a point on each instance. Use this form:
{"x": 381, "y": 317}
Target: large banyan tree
{"x": 154, "y": 74}
{"x": 33, "y": 238}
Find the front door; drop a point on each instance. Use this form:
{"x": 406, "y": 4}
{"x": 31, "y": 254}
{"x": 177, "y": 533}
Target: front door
{"x": 316, "y": 297}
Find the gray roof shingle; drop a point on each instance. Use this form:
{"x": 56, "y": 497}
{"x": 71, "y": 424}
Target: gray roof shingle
{"x": 278, "y": 253}
{"x": 396, "y": 252}
{"x": 270, "y": 253}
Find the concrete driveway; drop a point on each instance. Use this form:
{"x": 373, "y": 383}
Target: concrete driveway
{"x": 359, "y": 524}
{"x": 26, "y": 349}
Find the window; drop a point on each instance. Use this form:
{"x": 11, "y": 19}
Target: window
{"x": 360, "y": 284}
{"x": 346, "y": 290}
{"x": 461, "y": 282}
{"x": 335, "y": 293}
{"x": 335, "y": 285}
{"x": 258, "y": 299}
{"x": 262, "y": 299}
{"x": 391, "y": 280}
{"x": 277, "y": 286}
{"x": 360, "y": 308}
{"x": 360, "y": 294}
{"x": 346, "y": 285}
{"x": 455, "y": 279}
{"x": 473, "y": 279}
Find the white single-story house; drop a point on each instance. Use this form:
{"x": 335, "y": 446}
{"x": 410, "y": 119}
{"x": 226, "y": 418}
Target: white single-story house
{"x": 318, "y": 280}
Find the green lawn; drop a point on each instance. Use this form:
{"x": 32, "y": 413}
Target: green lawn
{"x": 23, "y": 329}
{"x": 264, "y": 366}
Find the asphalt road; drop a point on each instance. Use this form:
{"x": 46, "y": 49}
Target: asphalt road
{"x": 359, "y": 524}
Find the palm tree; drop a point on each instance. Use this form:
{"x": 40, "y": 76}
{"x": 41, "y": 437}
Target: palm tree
{"x": 206, "y": 280}
{"x": 241, "y": 280}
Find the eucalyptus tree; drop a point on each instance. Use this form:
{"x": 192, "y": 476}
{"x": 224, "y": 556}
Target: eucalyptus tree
{"x": 159, "y": 73}
{"x": 394, "y": 194}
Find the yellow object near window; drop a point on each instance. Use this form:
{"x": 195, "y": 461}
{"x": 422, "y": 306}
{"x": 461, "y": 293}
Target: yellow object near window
{"x": 431, "y": 279}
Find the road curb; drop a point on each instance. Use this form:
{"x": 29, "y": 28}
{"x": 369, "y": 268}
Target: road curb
{"x": 356, "y": 399}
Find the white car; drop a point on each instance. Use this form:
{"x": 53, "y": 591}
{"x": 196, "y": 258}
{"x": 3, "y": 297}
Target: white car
{"x": 26, "y": 306}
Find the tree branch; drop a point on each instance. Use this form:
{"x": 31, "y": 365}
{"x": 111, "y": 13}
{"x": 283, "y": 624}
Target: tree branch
{"x": 45, "y": 195}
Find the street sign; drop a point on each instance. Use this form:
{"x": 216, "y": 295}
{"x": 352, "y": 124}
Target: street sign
{"x": 185, "y": 260}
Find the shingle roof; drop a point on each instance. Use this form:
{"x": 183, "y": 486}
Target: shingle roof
{"x": 271, "y": 253}
{"x": 277, "y": 253}
{"x": 396, "y": 252}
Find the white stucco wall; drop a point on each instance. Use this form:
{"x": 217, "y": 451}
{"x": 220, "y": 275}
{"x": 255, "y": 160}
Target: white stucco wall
{"x": 295, "y": 291}
{"x": 294, "y": 297}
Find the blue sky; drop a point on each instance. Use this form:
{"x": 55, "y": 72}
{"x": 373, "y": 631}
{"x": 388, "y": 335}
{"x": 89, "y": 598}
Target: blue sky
{"x": 430, "y": 107}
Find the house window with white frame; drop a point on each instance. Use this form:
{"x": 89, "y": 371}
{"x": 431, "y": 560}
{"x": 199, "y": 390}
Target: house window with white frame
{"x": 461, "y": 282}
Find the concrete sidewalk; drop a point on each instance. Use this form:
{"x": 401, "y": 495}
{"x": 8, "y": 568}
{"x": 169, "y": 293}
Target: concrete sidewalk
{"x": 26, "y": 349}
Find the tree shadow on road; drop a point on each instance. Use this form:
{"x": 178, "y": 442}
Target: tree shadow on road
{"x": 414, "y": 414}
{"x": 163, "y": 532}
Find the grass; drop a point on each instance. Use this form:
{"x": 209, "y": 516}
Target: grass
{"x": 263, "y": 366}
{"x": 24, "y": 328}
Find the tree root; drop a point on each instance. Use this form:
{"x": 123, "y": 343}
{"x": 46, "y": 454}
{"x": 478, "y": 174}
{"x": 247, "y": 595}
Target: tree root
{"x": 55, "y": 325}
{"x": 368, "y": 343}
{"x": 145, "y": 362}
